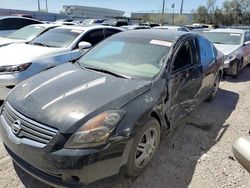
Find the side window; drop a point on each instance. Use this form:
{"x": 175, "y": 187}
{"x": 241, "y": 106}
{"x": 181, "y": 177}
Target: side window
{"x": 184, "y": 56}
{"x": 9, "y": 24}
{"x": 25, "y": 22}
{"x": 109, "y": 32}
{"x": 207, "y": 51}
{"x": 94, "y": 37}
{"x": 247, "y": 37}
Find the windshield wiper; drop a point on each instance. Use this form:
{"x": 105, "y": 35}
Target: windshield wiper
{"x": 218, "y": 42}
{"x": 108, "y": 72}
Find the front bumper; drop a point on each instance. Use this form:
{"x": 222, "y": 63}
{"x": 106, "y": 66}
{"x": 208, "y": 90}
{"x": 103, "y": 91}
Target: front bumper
{"x": 66, "y": 167}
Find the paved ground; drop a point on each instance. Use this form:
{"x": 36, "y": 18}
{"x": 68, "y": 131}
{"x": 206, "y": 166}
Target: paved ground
{"x": 198, "y": 155}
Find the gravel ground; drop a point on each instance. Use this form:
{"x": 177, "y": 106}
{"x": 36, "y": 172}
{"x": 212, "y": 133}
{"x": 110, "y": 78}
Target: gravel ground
{"x": 198, "y": 154}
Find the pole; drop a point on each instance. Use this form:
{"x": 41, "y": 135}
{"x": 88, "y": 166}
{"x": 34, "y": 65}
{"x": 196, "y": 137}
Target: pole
{"x": 38, "y": 3}
{"x": 181, "y": 7}
{"x": 173, "y": 11}
{"x": 46, "y": 2}
{"x": 163, "y": 6}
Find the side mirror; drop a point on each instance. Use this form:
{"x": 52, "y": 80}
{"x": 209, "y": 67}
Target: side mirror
{"x": 84, "y": 45}
{"x": 247, "y": 43}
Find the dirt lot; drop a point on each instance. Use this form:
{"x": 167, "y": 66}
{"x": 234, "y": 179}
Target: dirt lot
{"x": 199, "y": 153}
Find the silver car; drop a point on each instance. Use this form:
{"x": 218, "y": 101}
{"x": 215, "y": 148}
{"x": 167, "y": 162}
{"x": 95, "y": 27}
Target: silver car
{"x": 235, "y": 44}
{"x": 54, "y": 47}
{"x": 26, "y": 34}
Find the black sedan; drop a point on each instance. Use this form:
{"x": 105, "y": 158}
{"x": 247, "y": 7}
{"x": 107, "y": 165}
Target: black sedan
{"x": 106, "y": 113}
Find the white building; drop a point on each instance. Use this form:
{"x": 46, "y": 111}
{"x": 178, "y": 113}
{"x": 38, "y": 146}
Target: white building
{"x": 91, "y": 12}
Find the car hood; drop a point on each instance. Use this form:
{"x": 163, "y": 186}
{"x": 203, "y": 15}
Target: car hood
{"x": 226, "y": 49}
{"x": 6, "y": 41}
{"x": 15, "y": 54}
{"x": 66, "y": 96}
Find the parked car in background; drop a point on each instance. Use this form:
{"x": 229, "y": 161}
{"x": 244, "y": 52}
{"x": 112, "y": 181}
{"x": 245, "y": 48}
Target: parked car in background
{"x": 235, "y": 44}
{"x": 52, "y": 48}
{"x": 115, "y": 22}
{"x": 110, "y": 109}
{"x": 241, "y": 150}
{"x": 26, "y": 34}
{"x": 9, "y": 24}
{"x": 200, "y": 31}
{"x": 135, "y": 27}
{"x": 176, "y": 28}
{"x": 92, "y": 21}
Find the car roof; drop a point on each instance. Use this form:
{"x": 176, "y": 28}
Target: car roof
{"x": 87, "y": 27}
{"x": 228, "y": 30}
{"x": 45, "y": 25}
{"x": 157, "y": 34}
{"x": 19, "y": 17}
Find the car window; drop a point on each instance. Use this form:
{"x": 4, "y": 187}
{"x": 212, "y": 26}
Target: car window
{"x": 9, "y": 24}
{"x": 25, "y": 22}
{"x": 109, "y": 32}
{"x": 247, "y": 37}
{"x": 182, "y": 29}
{"x": 206, "y": 51}
{"x": 26, "y": 33}
{"x": 58, "y": 37}
{"x": 183, "y": 57}
{"x": 94, "y": 37}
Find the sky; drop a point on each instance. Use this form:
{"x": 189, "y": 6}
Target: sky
{"x": 125, "y": 5}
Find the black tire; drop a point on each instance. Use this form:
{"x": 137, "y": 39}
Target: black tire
{"x": 215, "y": 88}
{"x": 132, "y": 167}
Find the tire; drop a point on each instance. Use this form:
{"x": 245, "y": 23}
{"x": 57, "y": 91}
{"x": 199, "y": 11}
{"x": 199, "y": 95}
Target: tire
{"x": 142, "y": 148}
{"x": 215, "y": 88}
{"x": 237, "y": 69}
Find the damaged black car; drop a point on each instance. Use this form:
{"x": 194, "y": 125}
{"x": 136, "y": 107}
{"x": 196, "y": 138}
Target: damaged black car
{"x": 106, "y": 113}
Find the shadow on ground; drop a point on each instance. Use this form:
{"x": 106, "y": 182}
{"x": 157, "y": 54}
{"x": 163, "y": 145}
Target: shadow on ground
{"x": 175, "y": 162}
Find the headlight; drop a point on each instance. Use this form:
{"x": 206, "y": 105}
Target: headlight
{"x": 96, "y": 131}
{"x": 14, "y": 68}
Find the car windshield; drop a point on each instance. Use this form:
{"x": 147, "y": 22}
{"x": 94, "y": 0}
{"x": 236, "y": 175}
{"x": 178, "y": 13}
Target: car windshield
{"x": 224, "y": 38}
{"x": 134, "y": 57}
{"x": 26, "y": 33}
{"x": 58, "y": 37}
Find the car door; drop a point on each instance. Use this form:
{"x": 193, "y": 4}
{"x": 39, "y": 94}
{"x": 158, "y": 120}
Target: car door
{"x": 184, "y": 81}
{"x": 207, "y": 54}
{"x": 93, "y": 37}
{"x": 246, "y": 49}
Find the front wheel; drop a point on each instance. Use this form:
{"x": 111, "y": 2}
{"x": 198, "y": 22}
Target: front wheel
{"x": 215, "y": 88}
{"x": 146, "y": 143}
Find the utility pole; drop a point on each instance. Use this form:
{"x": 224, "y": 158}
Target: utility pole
{"x": 46, "y": 3}
{"x": 181, "y": 7}
{"x": 163, "y": 7}
{"x": 173, "y": 11}
{"x": 38, "y": 3}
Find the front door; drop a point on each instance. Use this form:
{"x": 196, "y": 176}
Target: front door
{"x": 184, "y": 81}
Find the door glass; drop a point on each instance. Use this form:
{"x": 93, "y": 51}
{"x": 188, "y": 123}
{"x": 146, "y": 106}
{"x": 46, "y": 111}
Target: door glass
{"x": 94, "y": 37}
{"x": 184, "y": 57}
{"x": 206, "y": 51}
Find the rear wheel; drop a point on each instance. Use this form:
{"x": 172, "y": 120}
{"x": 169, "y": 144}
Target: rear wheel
{"x": 215, "y": 88}
{"x": 237, "y": 68}
{"x": 145, "y": 145}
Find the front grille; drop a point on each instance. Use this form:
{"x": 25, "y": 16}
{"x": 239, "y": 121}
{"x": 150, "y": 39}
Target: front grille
{"x": 30, "y": 129}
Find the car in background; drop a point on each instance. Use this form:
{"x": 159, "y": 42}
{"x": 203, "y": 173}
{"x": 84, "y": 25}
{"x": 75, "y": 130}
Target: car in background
{"x": 26, "y": 34}
{"x": 235, "y": 44}
{"x": 110, "y": 109}
{"x": 54, "y": 47}
{"x": 92, "y": 21}
{"x": 135, "y": 27}
{"x": 115, "y": 22}
{"x": 241, "y": 150}
{"x": 9, "y": 24}
{"x": 176, "y": 28}
{"x": 200, "y": 31}
{"x": 241, "y": 27}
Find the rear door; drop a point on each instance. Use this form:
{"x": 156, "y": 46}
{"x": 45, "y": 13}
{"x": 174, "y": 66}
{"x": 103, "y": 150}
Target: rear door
{"x": 185, "y": 80}
{"x": 208, "y": 54}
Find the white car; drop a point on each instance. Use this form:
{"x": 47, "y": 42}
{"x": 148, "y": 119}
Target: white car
{"x": 176, "y": 28}
{"x": 26, "y": 34}
{"x": 9, "y": 24}
{"x": 54, "y": 47}
{"x": 235, "y": 44}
